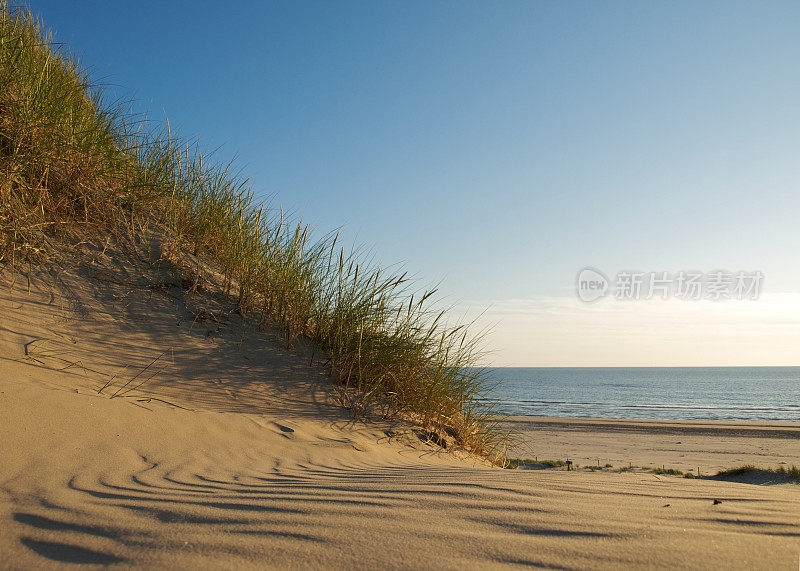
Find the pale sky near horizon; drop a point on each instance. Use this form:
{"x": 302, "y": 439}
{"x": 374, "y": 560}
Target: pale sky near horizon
{"x": 498, "y": 148}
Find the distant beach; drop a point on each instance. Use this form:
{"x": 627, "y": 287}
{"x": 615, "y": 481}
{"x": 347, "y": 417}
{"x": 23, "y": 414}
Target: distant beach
{"x": 683, "y": 418}
{"x": 683, "y": 445}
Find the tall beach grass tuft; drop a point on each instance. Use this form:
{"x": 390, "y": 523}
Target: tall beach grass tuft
{"x": 75, "y": 163}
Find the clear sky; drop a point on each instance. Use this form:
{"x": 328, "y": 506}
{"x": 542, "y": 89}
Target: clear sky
{"x": 497, "y": 148}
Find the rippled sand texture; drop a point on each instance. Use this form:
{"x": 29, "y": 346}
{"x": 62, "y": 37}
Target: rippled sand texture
{"x": 251, "y": 464}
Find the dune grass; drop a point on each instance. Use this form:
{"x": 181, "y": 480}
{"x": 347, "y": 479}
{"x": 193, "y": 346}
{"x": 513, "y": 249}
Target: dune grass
{"x": 792, "y": 471}
{"x": 528, "y": 463}
{"x": 75, "y": 166}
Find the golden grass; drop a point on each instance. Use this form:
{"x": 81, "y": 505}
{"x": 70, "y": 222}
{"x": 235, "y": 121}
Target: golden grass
{"x": 70, "y": 159}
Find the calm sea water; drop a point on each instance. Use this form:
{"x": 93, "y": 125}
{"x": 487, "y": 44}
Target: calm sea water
{"x": 708, "y": 393}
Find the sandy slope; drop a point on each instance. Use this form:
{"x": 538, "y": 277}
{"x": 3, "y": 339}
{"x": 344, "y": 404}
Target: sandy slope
{"x": 258, "y": 467}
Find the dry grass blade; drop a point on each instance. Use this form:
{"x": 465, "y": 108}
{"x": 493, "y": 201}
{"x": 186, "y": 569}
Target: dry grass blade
{"x": 123, "y": 389}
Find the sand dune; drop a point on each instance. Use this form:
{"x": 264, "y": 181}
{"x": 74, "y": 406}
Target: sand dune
{"x": 235, "y": 454}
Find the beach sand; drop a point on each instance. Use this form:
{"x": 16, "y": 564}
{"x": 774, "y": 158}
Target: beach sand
{"x": 684, "y": 445}
{"x": 236, "y": 455}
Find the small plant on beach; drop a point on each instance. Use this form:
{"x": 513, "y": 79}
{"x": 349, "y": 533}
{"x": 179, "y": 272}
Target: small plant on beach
{"x": 736, "y": 471}
{"x": 792, "y": 471}
{"x": 76, "y": 168}
{"x": 513, "y": 463}
{"x": 669, "y": 471}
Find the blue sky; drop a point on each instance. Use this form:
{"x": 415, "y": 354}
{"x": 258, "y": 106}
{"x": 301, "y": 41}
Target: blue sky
{"x": 497, "y": 148}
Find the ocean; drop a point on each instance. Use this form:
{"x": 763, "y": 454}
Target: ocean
{"x": 669, "y": 393}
